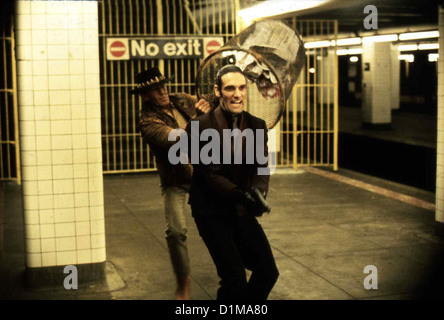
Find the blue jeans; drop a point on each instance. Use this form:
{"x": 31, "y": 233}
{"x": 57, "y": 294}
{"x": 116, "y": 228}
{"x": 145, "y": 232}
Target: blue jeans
{"x": 174, "y": 202}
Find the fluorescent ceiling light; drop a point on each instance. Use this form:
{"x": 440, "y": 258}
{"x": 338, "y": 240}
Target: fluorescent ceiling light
{"x": 347, "y": 42}
{"x": 408, "y": 47}
{"x": 407, "y": 57}
{"x": 342, "y": 52}
{"x": 419, "y": 35}
{"x": 354, "y": 59}
{"x": 382, "y": 38}
{"x": 276, "y": 7}
{"x": 355, "y": 51}
{"x": 433, "y": 57}
{"x": 421, "y": 46}
{"x": 428, "y": 46}
{"x": 317, "y": 44}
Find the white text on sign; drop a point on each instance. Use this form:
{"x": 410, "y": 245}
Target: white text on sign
{"x": 162, "y": 49}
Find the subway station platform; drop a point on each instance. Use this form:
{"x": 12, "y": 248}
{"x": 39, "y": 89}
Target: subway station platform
{"x": 325, "y": 227}
{"x": 417, "y": 129}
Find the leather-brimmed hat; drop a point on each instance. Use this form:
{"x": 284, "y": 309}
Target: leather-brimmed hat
{"x": 148, "y": 79}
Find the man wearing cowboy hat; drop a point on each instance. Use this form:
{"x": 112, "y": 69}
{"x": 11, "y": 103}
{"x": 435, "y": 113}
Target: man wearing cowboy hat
{"x": 160, "y": 114}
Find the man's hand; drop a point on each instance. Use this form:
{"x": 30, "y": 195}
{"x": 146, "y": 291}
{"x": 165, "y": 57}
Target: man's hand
{"x": 260, "y": 200}
{"x": 203, "y": 106}
{"x": 254, "y": 205}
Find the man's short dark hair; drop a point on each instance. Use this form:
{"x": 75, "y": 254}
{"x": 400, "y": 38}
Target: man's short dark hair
{"x": 224, "y": 70}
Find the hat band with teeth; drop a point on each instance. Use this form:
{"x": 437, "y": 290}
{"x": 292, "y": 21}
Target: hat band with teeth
{"x": 151, "y": 82}
{"x": 149, "y": 78}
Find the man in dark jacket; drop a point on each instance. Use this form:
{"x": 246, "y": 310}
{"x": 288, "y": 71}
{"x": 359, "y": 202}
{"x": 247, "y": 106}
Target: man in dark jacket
{"x": 221, "y": 194}
{"x": 161, "y": 113}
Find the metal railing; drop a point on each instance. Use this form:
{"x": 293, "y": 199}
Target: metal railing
{"x": 308, "y": 132}
{"x": 9, "y": 138}
{"x": 309, "y": 128}
{"x": 123, "y": 148}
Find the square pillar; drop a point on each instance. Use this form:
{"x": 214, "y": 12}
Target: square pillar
{"x": 395, "y": 94}
{"x": 58, "y": 80}
{"x": 325, "y": 77}
{"x": 376, "y": 85}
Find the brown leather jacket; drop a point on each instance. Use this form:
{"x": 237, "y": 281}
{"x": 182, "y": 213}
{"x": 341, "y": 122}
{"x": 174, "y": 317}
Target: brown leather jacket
{"x": 155, "y": 125}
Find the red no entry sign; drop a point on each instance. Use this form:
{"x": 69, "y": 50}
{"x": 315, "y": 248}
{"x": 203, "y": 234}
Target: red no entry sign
{"x": 212, "y": 46}
{"x": 117, "y": 49}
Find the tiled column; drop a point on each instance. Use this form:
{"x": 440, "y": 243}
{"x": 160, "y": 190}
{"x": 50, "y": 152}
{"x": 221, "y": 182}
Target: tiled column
{"x": 326, "y": 77}
{"x": 439, "y": 215}
{"x": 395, "y": 94}
{"x": 59, "y": 113}
{"x": 376, "y": 85}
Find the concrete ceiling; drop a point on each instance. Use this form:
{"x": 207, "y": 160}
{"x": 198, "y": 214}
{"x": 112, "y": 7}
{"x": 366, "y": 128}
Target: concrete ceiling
{"x": 392, "y": 14}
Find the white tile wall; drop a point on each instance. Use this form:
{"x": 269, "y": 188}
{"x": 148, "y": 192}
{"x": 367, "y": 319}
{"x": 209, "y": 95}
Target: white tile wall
{"x": 328, "y": 73}
{"x": 439, "y": 214}
{"x": 59, "y": 111}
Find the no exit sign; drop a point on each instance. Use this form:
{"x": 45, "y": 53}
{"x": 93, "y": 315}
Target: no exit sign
{"x": 161, "y": 48}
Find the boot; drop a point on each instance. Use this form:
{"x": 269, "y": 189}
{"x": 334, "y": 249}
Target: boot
{"x": 183, "y": 287}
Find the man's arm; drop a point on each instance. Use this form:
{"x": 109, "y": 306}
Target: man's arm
{"x": 223, "y": 187}
{"x": 261, "y": 176}
{"x": 202, "y": 106}
{"x": 218, "y": 183}
{"x": 155, "y": 132}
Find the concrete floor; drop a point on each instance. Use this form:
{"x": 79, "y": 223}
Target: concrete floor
{"x": 322, "y": 230}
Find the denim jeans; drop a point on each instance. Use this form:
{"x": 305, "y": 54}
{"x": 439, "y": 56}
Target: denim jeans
{"x": 174, "y": 202}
